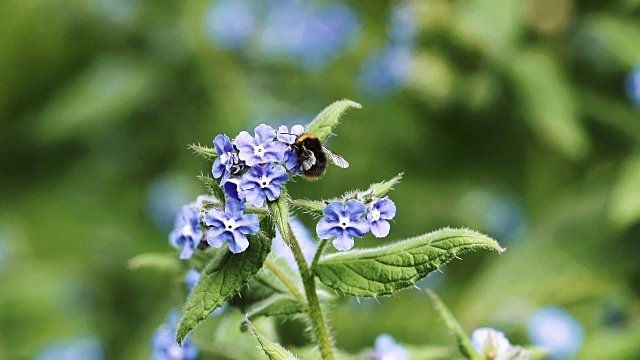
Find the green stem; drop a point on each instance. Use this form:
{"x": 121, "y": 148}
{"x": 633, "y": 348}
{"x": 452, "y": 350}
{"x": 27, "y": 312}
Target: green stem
{"x": 284, "y": 279}
{"x": 315, "y": 312}
{"x": 316, "y": 257}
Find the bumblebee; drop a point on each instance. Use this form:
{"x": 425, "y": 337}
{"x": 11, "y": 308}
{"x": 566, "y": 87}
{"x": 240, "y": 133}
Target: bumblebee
{"x": 312, "y": 156}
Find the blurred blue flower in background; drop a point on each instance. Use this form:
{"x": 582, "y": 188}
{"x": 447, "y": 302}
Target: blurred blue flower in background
{"x": 116, "y": 10}
{"x": 402, "y": 26}
{"x": 302, "y": 234}
{"x": 192, "y": 278}
{"x": 389, "y": 68}
{"x": 230, "y": 23}
{"x": 386, "y": 348}
{"x": 165, "y": 197}
{"x": 504, "y": 217}
{"x": 84, "y": 347}
{"x": 633, "y": 86}
{"x": 386, "y": 70}
{"x": 310, "y": 35}
{"x": 187, "y": 232}
{"x": 556, "y": 332}
{"x": 164, "y": 345}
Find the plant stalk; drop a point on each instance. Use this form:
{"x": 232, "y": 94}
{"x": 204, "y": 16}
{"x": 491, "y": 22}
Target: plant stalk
{"x": 313, "y": 304}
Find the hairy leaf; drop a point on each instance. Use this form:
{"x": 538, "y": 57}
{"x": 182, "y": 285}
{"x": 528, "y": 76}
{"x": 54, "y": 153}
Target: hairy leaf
{"x": 213, "y": 187}
{"x": 224, "y": 276}
{"x": 322, "y": 126}
{"x": 204, "y": 151}
{"x": 387, "y": 269}
{"x": 464, "y": 344}
{"x": 274, "y": 351}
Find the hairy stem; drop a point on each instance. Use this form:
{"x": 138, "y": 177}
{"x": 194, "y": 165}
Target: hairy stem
{"x": 284, "y": 279}
{"x": 319, "y": 251}
{"x": 313, "y": 304}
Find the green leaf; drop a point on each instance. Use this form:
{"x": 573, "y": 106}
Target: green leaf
{"x": 261, "y": 287}
{"x": 547, "y": 103}
{"x": 322, "y": 126}
{"x": 280, "y": 211}
{"x": 387, "y": 269}
{"x": 376, "y": 190}
{"x": 213, "y": 187}
{"x": 275, "y": 305}
{"x": 454, "y": 327}
{"x": 273, "y": 350}
{"x": 625, "y": 200}
{"x": 223, "y": 277}
{"x": 312, "y": 207}
{"x": 168, "y": 262}
{"x": 204, "y": 151}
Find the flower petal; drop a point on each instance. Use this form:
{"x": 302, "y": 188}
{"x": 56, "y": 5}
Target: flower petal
{"x": 274, "y": 152}
{"x": 255, "y": 196}
{"x": 380, "y": 228}
{"x": 239, "y": 243}
{"x": 326, "y": 228}
{"x": 273, "y": 191}
{"x": 219, "y": 240}
{"x": 218, "y": 168}
{"x": 355, "y": 209}
{"x": 343, "y": 241}
{"x": 386, "y": 207}
{"x": 215, "y": 217}
{"x": 248, "y": 224}
{"x": 264, "y": 134}
{"x": 279, "y": 174}
{"x": 245, "y": 143}
{"x": 297, "y": 129}
{"x": 222, "y": 143}
{"x": 334, "y": 210}
{"x": 233, "y": 190}
{"x": 358, "y": 227}
{"x": 285, "y": 136}
{"x": 187, "y": 250}
{"x": 234, "y": 208}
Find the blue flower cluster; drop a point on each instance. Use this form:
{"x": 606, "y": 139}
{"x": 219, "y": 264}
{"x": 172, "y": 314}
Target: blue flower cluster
{"x": 344, "y": 221}
{"x": 297, "y": 30}
{"x": 389, "y": 67}
{"x": 164, "y": 345}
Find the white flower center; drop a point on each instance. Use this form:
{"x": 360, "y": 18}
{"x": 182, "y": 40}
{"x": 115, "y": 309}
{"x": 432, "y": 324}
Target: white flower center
{"x": 375, "y": 214}
{"x": 264, "y": 181}
{"x": 175, "y": 351}
{"x": 224, "y": 158}
{"x": 230, "y": 225}
{"x": 259, "y": 150}
{"x": 187, "y": 230}
{"x": 344, "y": 222}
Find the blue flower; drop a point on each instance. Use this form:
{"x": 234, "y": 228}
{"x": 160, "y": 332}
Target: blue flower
{"x": 633, "y": 86}
{"x": 164, "y": 345}
{"x": 403, "y": 24}
{"x": 492, "y": 344}
{"x": 233, "y": 190}
{"x": 261, "y": 149}
{"x": 386, "y": 348}
{"x": 290, "y": 156}
{"x": 263, "y": 182}
{"x": 85, "y": 347}
{"x": 556, "y": 332}
{"x": 230, "y": 23}
{"x": 231, "y": 226}
{"x": 289, "y": 137}
{"x": 343, "y": 222}
{"x": 186, "y": 232}
{"x": 192, "y": 278}
{"x": 228, "y": 163}
{"x": 381, "y": 210}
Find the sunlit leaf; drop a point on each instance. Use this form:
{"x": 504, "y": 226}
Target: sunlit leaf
{"x": 322, "y": 126}
{"x": 387, "y": 269}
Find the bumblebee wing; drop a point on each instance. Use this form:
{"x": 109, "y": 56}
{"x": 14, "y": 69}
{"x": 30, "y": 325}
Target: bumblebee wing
{"x": 335, "y": 159}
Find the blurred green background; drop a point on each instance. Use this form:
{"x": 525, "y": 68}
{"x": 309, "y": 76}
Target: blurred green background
{"x": 508, "y": 117}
